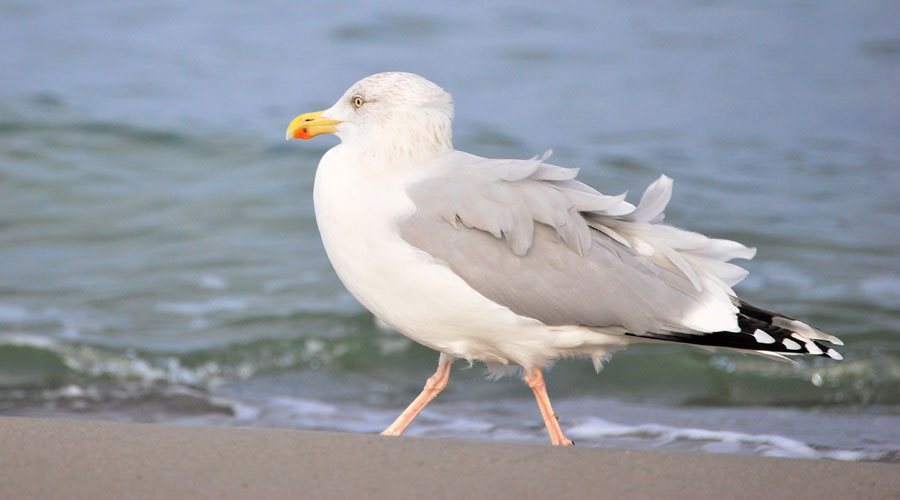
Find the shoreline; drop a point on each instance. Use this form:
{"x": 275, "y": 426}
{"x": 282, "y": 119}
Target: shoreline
{"x": 68, "y": 458}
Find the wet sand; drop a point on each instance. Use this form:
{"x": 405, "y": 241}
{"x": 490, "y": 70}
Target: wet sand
{"x": 75, "y": 459}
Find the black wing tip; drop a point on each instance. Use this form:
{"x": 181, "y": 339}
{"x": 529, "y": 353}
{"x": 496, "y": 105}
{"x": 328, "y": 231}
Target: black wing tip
{"x": 791, "y": 335}
{"x": 761, "y": 331}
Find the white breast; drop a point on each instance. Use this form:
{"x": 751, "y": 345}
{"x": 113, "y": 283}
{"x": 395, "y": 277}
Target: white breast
{"x": 357, "y": 212}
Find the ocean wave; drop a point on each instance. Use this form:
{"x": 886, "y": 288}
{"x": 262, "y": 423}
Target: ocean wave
{"x": 693, "y": 379}
{"x": 130, "y": 402}
{"x": 205, "y": 307}
{"x": 34, "y": 361}
{"x": 273, "y": 383}
{"x": 75, "y": 125}
{"x": 882, "y": 289}
{"x": 13, "y": 314}
{"x": 714, "y": 441}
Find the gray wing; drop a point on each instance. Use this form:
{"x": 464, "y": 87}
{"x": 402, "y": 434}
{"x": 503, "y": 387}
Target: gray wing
{"x": 528, "y": 236}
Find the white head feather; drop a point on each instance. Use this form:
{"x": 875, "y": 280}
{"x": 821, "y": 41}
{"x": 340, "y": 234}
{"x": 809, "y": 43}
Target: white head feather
{"x": 401, "y": 116}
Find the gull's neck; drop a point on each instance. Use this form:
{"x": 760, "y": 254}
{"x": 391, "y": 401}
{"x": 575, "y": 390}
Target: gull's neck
{"x": 403, "y": 140}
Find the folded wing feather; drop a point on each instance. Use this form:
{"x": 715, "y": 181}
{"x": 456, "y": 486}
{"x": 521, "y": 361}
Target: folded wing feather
{"x": 529, "y": 236}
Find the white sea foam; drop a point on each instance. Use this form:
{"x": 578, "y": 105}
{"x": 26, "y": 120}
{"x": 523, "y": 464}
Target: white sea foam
{"x": 213, "y": 282}
{"x": 716, "y": 441}
{"x": 463, "y": 426}
{"x": 301, "y": 407}
{"x": 206, "y": 307}
{"x": 25, "y": 339}
{"x": 883, "y": 289}
{"x": 13, "y": 314}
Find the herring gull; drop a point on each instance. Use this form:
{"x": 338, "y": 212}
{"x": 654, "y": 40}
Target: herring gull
{"x": 514, "y": 263}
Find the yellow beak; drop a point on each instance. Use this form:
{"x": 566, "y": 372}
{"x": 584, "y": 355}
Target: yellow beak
{"x": 309, "y": 125}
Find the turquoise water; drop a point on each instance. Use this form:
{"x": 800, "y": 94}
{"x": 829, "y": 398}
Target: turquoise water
{"x": 159, "y": 259}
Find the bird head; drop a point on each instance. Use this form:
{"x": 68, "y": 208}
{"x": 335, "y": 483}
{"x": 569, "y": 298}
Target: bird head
{"x": 400, "y": 115}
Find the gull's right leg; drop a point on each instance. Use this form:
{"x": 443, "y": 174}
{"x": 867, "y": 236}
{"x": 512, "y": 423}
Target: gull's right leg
{"x": 535, "y": 380}
{"x": 433, "y": 386}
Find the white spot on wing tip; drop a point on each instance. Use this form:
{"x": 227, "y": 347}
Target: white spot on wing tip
{"x": 763, "y": 337}
{"x": 831, "y": 353}
{"x": 790, "y": 344}
{"x": 812, "y": 348}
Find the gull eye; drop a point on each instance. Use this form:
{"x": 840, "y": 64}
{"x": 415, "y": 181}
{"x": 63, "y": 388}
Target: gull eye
{"x": 357, "y": 101}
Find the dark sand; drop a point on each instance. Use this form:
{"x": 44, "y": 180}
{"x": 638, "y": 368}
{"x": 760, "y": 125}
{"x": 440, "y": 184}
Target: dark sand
{"x": 63, "y": 459}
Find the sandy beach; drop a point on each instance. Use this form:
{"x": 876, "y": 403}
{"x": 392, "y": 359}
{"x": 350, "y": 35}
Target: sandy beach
{"x": 56, "y": 458}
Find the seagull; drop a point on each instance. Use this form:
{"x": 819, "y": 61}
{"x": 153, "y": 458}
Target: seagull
{"x": 515, "y": 263}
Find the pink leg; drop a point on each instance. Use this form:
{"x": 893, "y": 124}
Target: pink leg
{"x": 433, "y": 386}
{"x": 535, "y": 380}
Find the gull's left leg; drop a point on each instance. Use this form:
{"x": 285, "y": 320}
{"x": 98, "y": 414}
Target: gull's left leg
{"x": 433, "y": 386}
{"x": 535, "y": 380}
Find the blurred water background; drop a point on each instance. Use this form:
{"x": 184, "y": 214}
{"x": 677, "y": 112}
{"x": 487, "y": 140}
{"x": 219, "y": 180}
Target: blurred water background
{"x": 159, "y": 258}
